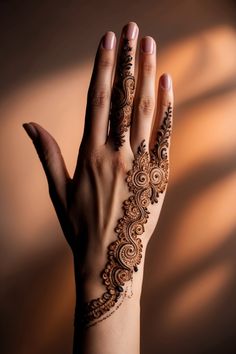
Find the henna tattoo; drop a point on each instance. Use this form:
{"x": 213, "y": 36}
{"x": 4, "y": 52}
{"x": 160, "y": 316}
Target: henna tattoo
{"x": 122, "y": 97}
{"x": 146, "y": 180}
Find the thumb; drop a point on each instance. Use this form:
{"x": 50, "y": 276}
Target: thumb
{"x": 53, "y": 163}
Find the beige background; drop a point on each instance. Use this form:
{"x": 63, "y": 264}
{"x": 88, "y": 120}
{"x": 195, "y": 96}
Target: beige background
{"x": 47, "y": 51}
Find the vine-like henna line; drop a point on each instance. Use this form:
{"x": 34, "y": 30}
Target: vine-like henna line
{"x": 122, "y": 97}
{"x": 147, "y": 178}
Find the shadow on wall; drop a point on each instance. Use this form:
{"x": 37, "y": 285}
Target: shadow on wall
{"x": 190, "y": 307}
{"x": 189, "y": 300}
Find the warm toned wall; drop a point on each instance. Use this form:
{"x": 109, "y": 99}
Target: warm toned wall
{"x": 47, "y": 50}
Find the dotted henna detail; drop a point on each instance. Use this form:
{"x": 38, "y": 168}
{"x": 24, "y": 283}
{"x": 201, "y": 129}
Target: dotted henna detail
{"x": 146, "y": 180}
{"x": 122, "y": 97}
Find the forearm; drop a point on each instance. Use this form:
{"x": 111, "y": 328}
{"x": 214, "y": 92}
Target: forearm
{"x": 117, "y": 334}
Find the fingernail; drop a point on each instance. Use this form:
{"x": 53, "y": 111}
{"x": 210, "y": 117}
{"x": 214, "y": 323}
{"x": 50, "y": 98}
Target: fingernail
{"x": 130, "y": 31}
{"x": 147, "y": 45}
{"x": 30, "y": 130}
{"x": 108, "y": 40}
{"x": 165, "y": 82}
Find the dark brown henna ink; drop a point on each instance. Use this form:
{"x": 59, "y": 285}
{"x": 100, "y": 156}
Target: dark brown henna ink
{"x": 146, "y": 180}
{"x": 122, "y": 97}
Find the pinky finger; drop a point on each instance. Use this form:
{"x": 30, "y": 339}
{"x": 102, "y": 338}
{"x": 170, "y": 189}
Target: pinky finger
{"x": 162, "y": 125}
{"x": 161, "y": 134}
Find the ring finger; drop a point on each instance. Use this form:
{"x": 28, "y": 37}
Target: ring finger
{"x": 144, "y": 103}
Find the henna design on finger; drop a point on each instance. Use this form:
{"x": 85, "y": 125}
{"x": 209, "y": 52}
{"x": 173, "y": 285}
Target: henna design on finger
{"x": 122, "y": 97}
{"x": 146, "y": 180}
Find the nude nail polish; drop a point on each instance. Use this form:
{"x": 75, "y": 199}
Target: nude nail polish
{"x": 130, "y": 31}
{"x": 147, "y": 45}
{"x": 165, "y": 82}
{"x": 108, "y": 40}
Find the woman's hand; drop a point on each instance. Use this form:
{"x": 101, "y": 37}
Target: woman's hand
{"x": 109, "y": 209}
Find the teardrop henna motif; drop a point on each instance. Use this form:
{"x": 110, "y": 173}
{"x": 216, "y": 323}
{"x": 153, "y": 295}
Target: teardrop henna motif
{"x": 146, "y": 180}
{"x": 122, "y": 97}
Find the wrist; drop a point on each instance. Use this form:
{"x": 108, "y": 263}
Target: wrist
{"x": 92, "y": 287}
{"x": 92, "y": 291}
{"x": 124, "y": 313}
{"x": 90, "y": 282}
{"x": 104, "y": 285}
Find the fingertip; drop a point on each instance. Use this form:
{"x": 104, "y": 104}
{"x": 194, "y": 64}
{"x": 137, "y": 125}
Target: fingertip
{"x": 108, "y": 40}
{"x": 130, "y": 31}
{"x": 147, "y": 45}
{"x": 166, "y": 82}
{"x": 165, "y": 92}
{"x": 30, "y": 130}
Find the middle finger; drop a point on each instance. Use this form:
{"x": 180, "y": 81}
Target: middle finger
{"x": 123, "y": 88}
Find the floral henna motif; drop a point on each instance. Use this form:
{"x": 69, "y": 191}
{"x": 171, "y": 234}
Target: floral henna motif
{"x": 147, "y": 178}
{"x": 122, "y": 97}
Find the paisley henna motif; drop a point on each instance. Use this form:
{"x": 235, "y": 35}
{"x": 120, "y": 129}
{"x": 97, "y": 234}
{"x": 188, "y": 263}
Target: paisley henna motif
{"x": 147, "y": 178}
{"x": 122, "y": 97}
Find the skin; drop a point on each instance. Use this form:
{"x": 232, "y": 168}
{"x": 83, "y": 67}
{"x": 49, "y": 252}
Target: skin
{"x": 89, "y": 204}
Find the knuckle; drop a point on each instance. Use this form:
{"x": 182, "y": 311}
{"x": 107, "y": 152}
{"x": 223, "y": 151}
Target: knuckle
{"x": 47, "y": 157}
{"x": 146, "y": 105}
{"x": 119, "y": 164}
{"x": 104, "y": 63}
{"x": 94, "y": 159}
{"x": 99, "y": 97}
{"x": 148, "y": 68}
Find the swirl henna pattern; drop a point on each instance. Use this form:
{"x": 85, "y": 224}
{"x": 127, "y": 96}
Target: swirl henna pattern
{"x": 147, "y": 178}
{"x": 122, "y": 97}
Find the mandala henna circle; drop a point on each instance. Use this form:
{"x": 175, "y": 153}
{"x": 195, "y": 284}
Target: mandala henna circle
{"x": 122, "y": 97}
{"x": 146, "y": 180}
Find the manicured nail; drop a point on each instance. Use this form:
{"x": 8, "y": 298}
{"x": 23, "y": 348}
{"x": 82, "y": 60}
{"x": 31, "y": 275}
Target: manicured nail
{"x": 30, "y": 130}
{"x": 108, "y": 40}
{"x": 130, "y": 31}
{"x": 165, "y": 82}
{"x": 147, "y": 45}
